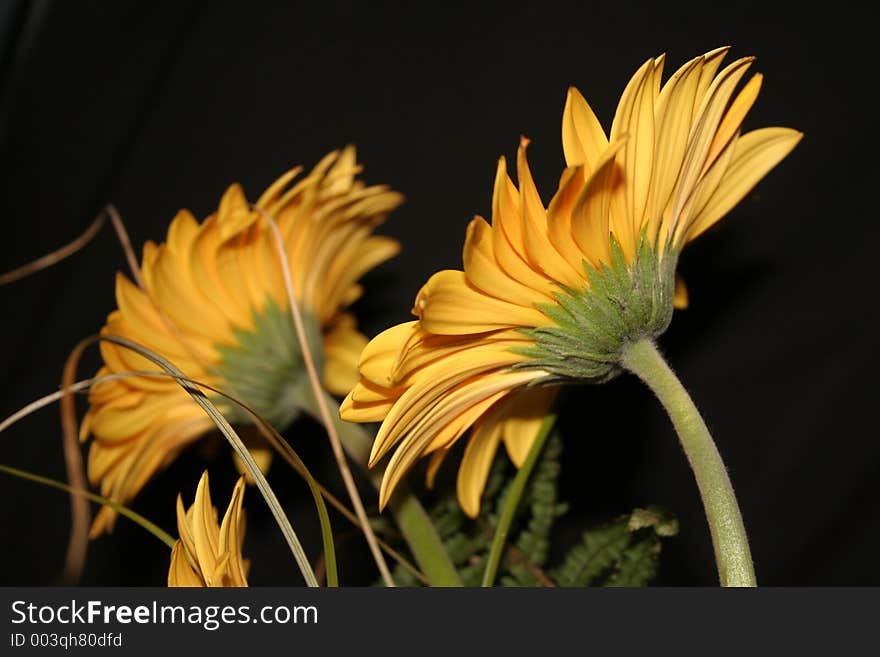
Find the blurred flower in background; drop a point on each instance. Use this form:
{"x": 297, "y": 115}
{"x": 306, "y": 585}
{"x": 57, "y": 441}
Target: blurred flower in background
{"x": 213, "y": 302}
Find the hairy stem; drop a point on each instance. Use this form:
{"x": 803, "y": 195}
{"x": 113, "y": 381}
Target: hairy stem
{"x": 732, "y": 554}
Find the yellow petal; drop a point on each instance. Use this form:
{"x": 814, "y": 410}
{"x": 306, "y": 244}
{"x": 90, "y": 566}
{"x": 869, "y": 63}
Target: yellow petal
{"x": 182, "y": 232}
{"x": 104, "y": 461}
{"x": 475, "y": 466}
{"x": 507, "y": 236}
{"x": 180, "y": 573}
{"x": 224, "y": 289}
{"x": 424, "y": 349}
{"x": 274, "y": 191}
{"x": 158, "y": 449}
{"x": 204, "y": 527}
{"x": 583, "y": 139}
{"x": 132, "y": 413}
{"x": 234, "y": 213}
{"x": 680, "y": 297}
{"x": 186, "y": 538}
{"x": 343, "y": 345}
{"x": 420, "y": 444}
{"x": 673, "y": 114}
{"x": 434, "y": 464}
{"x": 754, "y": 155}
{"x": 231, "y": 536}
{"x": 702, "y": 135}
{"x": 706, "y": 187}
{"x": 659, "y": 62}
{"x": 354, "y": 411}
{"x": 711, "y": 63}
{"x": 346, "y": 266}
{"x": 435, "y": 387}
{"x": 181, "y": 301}
{"x": 484, "y": 272}
{"x": 634, "y": 118}
{"x": 522, "y": 419}
{"x": 448, "y": 304}
{"x": 465, "y": 403}
{"x": 559, "y": 218}
{"x": 733, "y": 119}
{"x": 590, "y": 216}
{"x": 541, "y": 253}
{"x": 144, "y": 323}
{"x": 379, "y": 356}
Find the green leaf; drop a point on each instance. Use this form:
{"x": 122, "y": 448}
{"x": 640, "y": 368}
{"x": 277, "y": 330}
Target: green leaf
{"x": 624, "y": 552}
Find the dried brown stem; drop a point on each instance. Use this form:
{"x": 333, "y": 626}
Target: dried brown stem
{"x": 58, "y": 255}
{"x": 318, "y": 390}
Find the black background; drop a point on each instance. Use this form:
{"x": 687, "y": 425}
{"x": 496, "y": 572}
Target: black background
{"x": 160, "y": 106}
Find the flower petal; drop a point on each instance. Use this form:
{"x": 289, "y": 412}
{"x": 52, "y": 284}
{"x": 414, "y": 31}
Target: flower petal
{"x": 379, "y": 356}
{"x": 475, "y": 466}
{"x": 435, "y": 387}
{"x": 343, "y": 345}
{"x": 583, "y": 139}
{"x": 523, "y": 418}
{"x": 590, "y": 216}
{"x": 634, "y": 118}
{"x": 673, "y": 113}
{"x": 448, "y": 304}
{"x": 541, "y": 253}
{"x": 451, "y": 413}
{"x": 754, "y": 155}
{"x": 484, "y": 272}
{"x": 559, "y": 217}
{"x": 702, "y": 135}
{"x": 508, "y": 244}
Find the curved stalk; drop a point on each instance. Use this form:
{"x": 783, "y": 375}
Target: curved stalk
{"x": 135, "y": 517}
{"x": 410, "y": 516}
{"x": 732, "y": 554}
{"x": 512, "y": 500}
{"x": 324, "y": 407}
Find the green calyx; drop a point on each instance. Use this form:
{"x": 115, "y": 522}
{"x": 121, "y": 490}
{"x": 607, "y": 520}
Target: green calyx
{"x": 622, "y": 303}
{"x": 265, "y": 369}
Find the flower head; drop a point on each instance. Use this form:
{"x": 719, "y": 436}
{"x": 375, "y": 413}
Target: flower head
{"x": 214, "y": 304}
{"x": 552, "y": 294}
{"x": 208, "y": 554}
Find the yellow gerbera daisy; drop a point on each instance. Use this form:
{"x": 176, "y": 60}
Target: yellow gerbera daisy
{"x": 214, "y": 303}
{"x": 208, "y": 554}
{"x": 554, "y": 294}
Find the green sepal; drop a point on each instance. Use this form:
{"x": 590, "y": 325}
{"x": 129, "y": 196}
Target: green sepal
{"x": 264, "y": 366}
{"x": 622, "y": 302}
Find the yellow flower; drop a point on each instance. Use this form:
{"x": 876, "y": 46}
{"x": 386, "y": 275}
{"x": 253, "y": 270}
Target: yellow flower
{"x": 553, "y": 294}
{"x": 214, "y": 304}
{"x": 207, "y": 554}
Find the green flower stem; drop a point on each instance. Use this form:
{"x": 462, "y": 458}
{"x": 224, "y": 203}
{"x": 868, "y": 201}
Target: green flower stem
{"x": 732, "y": 554}
{"x": 135, "y": 517}
{"x": 409, "y": 514}
{"x": 512, "y": 500}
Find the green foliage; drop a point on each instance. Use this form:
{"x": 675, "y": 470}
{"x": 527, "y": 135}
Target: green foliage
{"x": 623, "y": 552}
